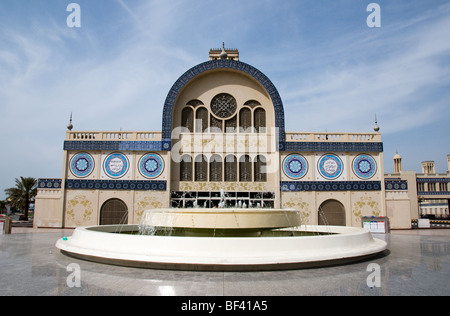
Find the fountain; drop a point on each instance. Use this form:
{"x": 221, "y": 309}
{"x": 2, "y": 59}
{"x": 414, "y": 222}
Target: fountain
{"x": 224, "y": 238}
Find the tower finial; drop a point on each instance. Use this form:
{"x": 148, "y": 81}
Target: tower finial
{"x": 223, "y": 54}
{"x": 70, "y": 126}
{"x": 376, "y": 128}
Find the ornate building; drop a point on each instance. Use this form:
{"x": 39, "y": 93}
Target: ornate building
{"x": 223, "y": 128}
{"x": 418, "y": 195}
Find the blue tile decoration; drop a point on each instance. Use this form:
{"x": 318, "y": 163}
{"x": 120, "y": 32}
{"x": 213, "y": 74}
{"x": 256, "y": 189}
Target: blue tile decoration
{"x": 364, "y": 166}
{"x": 116, "y": 165}
{"x": 295, "y": 166}
{"x": 49, "y": 183}
{"x": 81, "y": 165}
{"x": 433, "y": 180}
{"x": 222, "y": 64}
{"x": 396, "y": 184}
{"x": 349, "y": 147}
{"x": 165, "y": 145}
{"x": 330, "y": 166}
{"x": 118, "y": 185}
{"x": 309, "y": 186}
{"x": 433, "y": 193}
{"x": 113, "y": 145}
{"x": 151, "y": 166}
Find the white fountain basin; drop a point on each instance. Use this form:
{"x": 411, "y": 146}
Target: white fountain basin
{"x": 222, "y": 218}
{"x": 101, "y": 244}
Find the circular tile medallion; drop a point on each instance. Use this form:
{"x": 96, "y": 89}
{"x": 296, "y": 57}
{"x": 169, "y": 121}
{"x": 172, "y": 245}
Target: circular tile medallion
{"x": 364, "y": 166}
{"x": 295, "y": 166}
{"x": 151, "y": 166}
{"x": 116, "y": 165}
{"x": 330, "y": 166}
{"x": 81, "y": 165}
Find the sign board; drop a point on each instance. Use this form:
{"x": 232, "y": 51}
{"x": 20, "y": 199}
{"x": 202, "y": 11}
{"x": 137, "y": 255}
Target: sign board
{"x": 424, "y": 223}
{"x": 376, "y": 224}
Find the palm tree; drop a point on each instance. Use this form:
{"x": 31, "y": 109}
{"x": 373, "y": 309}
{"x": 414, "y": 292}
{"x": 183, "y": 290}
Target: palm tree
{"x": 2, "y": 206}
{"x": 21, "y": 195}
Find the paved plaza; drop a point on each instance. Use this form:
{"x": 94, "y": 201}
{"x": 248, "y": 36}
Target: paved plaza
{"x": 417, "y": 264}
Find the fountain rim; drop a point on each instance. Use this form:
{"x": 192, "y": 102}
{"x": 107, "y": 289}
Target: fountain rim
{"x": 94, "y": 243}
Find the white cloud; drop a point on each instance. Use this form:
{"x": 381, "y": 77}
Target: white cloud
{"x": 393, "y": 85}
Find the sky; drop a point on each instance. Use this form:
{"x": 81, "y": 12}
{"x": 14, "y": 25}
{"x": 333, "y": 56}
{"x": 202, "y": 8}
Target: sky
{"x": 334, "y": 73}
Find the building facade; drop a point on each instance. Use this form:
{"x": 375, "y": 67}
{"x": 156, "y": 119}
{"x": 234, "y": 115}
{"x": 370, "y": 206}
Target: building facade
{"x": 422, "y": 195}
{"x": 223, "y": 128}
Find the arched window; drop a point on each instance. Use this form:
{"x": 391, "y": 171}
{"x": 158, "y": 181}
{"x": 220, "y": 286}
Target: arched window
{"x": 260, "y": 169}
{"x": 231, "y": 125}
{"x": 215, "y": 168}
{"x": 332, "y": 212}
{"x": 216, "y": 124}
{"x": 201, "y": 120}
{"x": 195, "y": 103}
{"x": 252, "y": 103}
{"x": 245, "y": 169}
{"x": 230, "y": 168}
{"x": 186, "y": 168}
{"x": 187, "y": 118}
{"x": 245, "y": 120}
{"x": 113, "y": 212}
{"x": 260, "y": 120}
{"x": 201, "y": 168}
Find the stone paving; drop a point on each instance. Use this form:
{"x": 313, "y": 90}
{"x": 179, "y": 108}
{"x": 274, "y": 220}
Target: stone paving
{"x": 417, "y": 264}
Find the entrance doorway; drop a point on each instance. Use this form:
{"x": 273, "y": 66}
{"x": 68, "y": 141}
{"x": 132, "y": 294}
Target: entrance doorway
{"x": 113, "y": 212}
{"x": 332, "y": 212}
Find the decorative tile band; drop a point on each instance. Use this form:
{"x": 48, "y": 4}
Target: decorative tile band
{"x": 334, "y": 147}
{"x": 308, "y": 186}
{"x": 433, "y": 180}
{"x": 433, "y": 193}
{"x": 138, "y": 185}
{"x": 165, "y": 145}
{"x": 49, "y": 183}
{"x": 396, "y": 185}
{"x": 113, "y": 145}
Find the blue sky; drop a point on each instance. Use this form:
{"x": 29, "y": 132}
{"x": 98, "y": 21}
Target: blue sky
{"x": 333, "y": 72}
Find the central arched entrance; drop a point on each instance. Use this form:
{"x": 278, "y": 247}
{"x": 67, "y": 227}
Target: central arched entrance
{"x": 113, "y": 212}
{"x": 332, "y": 212}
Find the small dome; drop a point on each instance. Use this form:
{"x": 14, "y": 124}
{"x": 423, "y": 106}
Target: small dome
{"x": 397, "y": 156}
